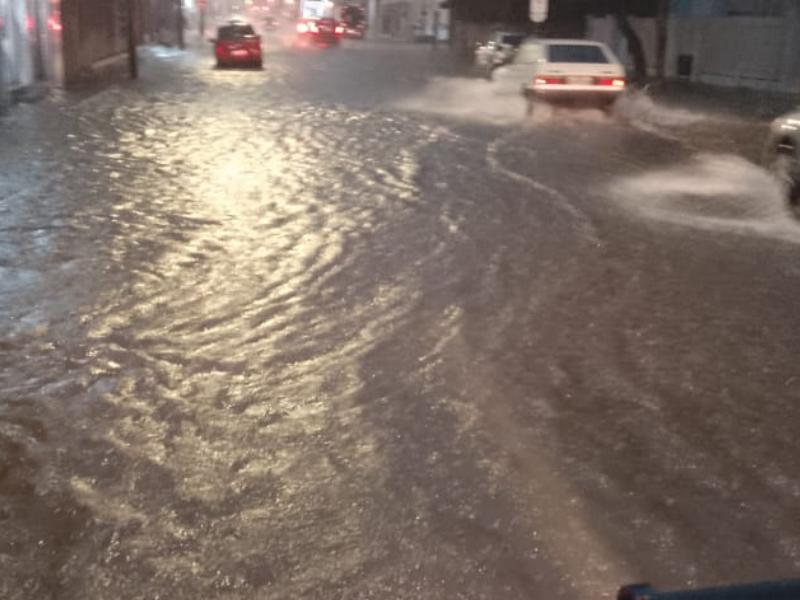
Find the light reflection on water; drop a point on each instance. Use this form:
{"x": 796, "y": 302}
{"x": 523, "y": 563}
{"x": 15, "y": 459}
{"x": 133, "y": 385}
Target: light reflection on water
{"x": 234, "y": 285}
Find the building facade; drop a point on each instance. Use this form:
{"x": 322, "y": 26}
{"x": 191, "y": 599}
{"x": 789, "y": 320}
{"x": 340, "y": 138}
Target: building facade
{"x": 410, "y": 20}
{"x": 62, "y": 42}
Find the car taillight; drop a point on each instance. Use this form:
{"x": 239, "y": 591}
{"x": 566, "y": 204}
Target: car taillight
{"x": 339, "y": 30}
{"x": 616, "y": 82}
{"x": 312, "y": 27}
{"x": 548, "y": 81}
{"x": 302, "y": 28}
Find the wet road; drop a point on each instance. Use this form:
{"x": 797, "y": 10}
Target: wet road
{"x": 281, "y": 334}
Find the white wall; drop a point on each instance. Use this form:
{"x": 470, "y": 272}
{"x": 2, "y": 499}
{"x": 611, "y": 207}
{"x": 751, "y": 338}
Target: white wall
{"x": 760, "y": 53}
{"x": 605, "y": 30}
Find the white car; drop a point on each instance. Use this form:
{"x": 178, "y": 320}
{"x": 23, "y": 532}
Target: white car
{"x": 783, "y": 155}
{"x": 576, "y": 71}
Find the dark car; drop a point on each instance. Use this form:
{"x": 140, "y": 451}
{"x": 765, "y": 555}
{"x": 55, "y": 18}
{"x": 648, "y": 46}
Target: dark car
{"x": 326, "y": 32}
{"x": 237, "y": 44}
{"x": 354, "y": 21}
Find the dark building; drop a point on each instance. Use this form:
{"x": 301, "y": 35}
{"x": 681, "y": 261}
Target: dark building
{"x": 62, "y": 42}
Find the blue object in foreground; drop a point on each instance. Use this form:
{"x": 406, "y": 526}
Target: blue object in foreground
{"x": 769, "y": 590}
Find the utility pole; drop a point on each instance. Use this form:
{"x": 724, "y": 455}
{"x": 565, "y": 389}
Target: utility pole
{"x": 180, "y": 23}
{"x": 201, "y": 22}
{"x": 133, "y": 63}
{"x": 662, "y": 31}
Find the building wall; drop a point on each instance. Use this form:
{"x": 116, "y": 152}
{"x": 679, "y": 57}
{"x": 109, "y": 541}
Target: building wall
{"x": 160, "y": 19}
{"x": 410, "y": 20}
{"x": 731, "y": 50}
{"x": 94, "y": 38}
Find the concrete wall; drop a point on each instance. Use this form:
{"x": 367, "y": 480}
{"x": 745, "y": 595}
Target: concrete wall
{"x": 605, "y": 30}
{"x": 94, "y": 38}
{"x": 750, "y": 52}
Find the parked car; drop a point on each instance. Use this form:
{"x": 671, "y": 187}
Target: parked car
{"x": 237, "y": 44}
{"x": 354, "y": 21}
{"x": 355, "y": 32}
{"x": 327, "y": 32}
{"x": 500, "y": 49}
{"x": 566, "y": 71}
{"x": 783, "y": 155}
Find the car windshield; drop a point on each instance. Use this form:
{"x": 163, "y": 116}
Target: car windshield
{"x": 232, "y": 32}
{"x": 576, "y": 53}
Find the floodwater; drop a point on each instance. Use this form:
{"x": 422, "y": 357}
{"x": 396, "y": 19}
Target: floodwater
{"x": 323, "y": 331}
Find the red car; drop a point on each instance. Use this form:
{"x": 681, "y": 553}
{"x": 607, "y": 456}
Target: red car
{"x": 237, "y": 44}
{"x": 320, "y": 31}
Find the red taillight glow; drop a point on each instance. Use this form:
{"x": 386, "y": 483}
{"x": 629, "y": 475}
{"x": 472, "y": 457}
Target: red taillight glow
{"x": 54, "y": 25}
{"x": 617, "y": 82}
{"x": 339, "y": 29}
{"x": 549, "y": 80}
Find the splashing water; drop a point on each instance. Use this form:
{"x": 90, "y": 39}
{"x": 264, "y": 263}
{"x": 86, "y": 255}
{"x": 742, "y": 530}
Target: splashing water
{"x": 640, "y": 109}
{"x": 723, "y": 193}
{"x": 474, "y": 99}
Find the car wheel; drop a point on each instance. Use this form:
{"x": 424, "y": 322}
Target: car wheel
{"x": 784, "y": 168}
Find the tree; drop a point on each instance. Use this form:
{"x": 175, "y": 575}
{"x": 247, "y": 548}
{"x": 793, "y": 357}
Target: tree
{"x": 633, "y": 40}
{"x": 622, "y": 10}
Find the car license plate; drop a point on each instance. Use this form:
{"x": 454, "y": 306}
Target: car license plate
{"x": 580, "y": 80}
{"x": 239, "y": 52}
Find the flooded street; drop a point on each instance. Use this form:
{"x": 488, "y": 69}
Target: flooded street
{"x": 325, "y": 331}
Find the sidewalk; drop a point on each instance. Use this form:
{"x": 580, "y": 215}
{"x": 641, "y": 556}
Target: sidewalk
{"x": 744, "y": 103}
{"x": 715, "y": 119}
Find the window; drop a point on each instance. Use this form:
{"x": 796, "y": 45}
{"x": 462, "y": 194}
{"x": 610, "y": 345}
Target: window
{"x": 567, "y": 53}
{"x": 232, "y": 32}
